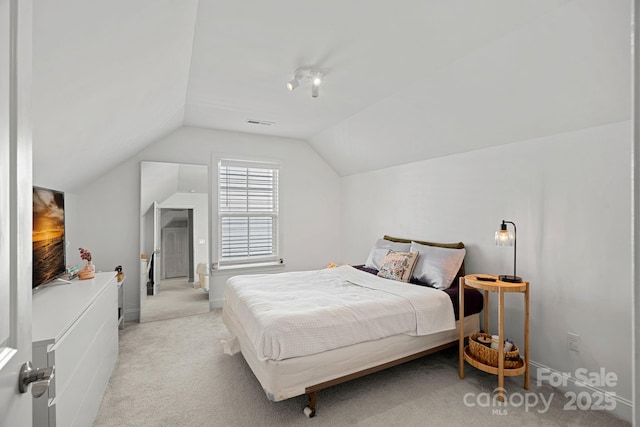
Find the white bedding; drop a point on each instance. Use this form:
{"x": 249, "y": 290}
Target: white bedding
{"x": 302, "y": 313}
{"x": 282, "y": 379}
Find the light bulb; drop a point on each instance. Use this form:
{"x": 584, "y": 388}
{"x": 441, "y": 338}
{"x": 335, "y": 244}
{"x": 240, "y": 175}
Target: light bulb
{"x": 317, "y": 81}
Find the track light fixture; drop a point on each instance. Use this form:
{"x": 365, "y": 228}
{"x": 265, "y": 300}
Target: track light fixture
{"x": 313, "y": 75}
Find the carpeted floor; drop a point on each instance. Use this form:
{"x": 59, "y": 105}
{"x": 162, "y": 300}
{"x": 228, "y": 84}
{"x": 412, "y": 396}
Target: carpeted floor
{"x": 176, "y": 298}
{"x": 173, "y": 373}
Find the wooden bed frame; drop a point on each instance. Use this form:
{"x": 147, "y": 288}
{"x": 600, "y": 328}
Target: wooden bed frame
{"x": 312, "y": 392}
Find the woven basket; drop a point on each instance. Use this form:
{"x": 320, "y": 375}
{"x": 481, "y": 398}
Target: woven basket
{"x": 489, "y": 356}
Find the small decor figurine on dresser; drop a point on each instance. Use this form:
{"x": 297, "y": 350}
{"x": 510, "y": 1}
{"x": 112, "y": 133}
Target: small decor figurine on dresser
{"x": 120, "y": 274}
{"x": 89, "y": 270}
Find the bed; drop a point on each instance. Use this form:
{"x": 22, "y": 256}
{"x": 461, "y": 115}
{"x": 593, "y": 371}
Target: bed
{"x": 301, "y": 332}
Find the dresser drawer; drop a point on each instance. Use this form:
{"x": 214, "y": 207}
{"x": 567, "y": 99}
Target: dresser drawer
{"x": 75, "y": 347}
{"x": 77, "y": 404}
{"x": 75, "y": 329}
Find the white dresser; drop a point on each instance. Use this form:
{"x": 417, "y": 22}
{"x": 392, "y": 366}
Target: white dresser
{"x": 75, "y": 329}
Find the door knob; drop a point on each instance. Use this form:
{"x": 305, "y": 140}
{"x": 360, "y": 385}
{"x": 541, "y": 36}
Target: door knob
{"x": 41, "y": 378}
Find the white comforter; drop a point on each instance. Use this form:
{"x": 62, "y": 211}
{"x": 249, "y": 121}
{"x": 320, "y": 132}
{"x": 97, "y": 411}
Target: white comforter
{"x": 300, "y": 313}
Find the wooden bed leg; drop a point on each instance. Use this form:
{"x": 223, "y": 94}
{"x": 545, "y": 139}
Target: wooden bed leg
{"x": 310, "y": 409}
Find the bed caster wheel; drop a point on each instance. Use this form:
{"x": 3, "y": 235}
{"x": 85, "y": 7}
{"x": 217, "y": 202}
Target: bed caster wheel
{"x": 308, "y": 412}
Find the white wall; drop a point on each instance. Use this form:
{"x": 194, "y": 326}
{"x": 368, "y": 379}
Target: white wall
{"x": 108, "y": 210}
{"x": 71, "y": 233}
{"x": 160, "y": 180}
{"x": 569, "y": 195}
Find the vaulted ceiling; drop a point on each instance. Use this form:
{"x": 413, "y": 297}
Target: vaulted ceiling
{"x": 430, "y": 77}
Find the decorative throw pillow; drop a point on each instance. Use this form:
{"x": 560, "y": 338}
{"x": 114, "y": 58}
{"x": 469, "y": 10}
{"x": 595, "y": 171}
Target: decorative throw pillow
{"x": 398, "y": 266}
{"x": 437, "y": 266}
{"x": 380, "y": 250}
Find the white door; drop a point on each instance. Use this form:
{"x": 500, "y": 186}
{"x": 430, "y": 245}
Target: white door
{"x": 15, "y": 209}
{"x": 175, "y": 255}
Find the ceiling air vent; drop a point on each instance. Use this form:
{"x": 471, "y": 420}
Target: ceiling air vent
{"x": 260, "y": 122}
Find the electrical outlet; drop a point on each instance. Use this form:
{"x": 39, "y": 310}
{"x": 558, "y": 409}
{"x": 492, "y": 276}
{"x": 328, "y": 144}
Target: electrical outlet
{"x": 573, "y": 342}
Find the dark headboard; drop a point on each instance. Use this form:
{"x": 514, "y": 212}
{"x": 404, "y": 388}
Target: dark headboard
{"x": 458, "y": 245}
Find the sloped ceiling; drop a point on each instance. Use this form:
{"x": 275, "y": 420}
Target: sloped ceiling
{"x": 429, "y": 78}
{"x": 109, "y": 77}
{"x": 567, "y": 71}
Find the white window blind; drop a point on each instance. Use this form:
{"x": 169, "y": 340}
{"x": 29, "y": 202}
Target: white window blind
{"x": 247, "y": 212}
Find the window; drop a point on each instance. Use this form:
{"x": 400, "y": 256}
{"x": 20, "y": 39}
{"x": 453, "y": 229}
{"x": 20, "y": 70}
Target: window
{"x": 247, "y": 212}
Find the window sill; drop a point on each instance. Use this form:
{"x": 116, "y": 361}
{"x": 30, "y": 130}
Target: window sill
{"x": 248, "y": 267}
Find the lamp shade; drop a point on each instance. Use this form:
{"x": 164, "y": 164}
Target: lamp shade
{"x": 504, "y": 237}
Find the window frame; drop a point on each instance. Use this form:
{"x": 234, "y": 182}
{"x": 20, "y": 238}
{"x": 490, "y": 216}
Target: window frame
{"x": 217, "y": 216}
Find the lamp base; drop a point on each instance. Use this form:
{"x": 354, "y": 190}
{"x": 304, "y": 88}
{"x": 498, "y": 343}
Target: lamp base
{"x": 510, "y": 279}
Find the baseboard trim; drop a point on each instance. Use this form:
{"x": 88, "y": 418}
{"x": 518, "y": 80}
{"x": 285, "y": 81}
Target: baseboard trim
{"x": 215, "y": 303}
{"x": 623, "y": 408}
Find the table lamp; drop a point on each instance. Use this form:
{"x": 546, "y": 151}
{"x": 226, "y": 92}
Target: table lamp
{"x": 505, "y": 237}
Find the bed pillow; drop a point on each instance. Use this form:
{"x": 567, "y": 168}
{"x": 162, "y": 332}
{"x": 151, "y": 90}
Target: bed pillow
{"x": 380, "y": 250}
{"x": 437, "y": 266}
{"x": 457, "y": 245}
{"x": 398, "y": 266}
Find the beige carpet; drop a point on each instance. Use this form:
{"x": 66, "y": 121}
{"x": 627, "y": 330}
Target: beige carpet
{"x": 176, "y": 298}
{"x": 173, "y": 373}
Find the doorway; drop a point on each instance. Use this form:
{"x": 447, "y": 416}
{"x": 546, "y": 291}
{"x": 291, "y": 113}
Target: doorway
{"x": 176, "y": 231}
